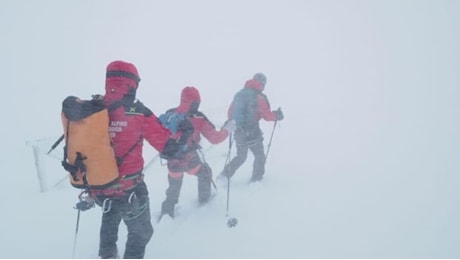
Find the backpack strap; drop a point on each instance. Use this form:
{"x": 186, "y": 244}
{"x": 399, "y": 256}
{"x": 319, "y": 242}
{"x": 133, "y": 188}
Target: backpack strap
{"x": 124, "y": 102}
{"x": 114, "y": 105}
{"x": 120, "y": 159}
{"x": 78, "y": 165}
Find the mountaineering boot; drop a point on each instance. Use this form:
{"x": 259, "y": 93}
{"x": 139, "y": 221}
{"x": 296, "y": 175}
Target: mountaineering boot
{"x": 256, "y": 179}
{"x": 167, "y": 208}
{"x": 172, "y": 196}
{"x": 109, "y": 254}
{"x": 110, "y": 257}
{"x": 204, "y": 184}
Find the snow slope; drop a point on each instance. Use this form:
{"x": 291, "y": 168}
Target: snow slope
{"x": 365, "y": 164}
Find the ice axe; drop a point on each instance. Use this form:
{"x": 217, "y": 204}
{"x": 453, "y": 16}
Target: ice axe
{"x": 58, "y": 141}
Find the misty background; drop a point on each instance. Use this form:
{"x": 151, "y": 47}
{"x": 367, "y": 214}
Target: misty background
{"x": 365, "y": 163}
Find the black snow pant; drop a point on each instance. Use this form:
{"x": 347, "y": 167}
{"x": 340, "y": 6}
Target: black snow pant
{"x": 246, "y": 140}
{"x": 193, "y": 165}
{"x": 134, "y": 210}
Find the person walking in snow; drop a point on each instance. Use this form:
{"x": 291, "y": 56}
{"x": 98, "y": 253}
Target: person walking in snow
{"x": 248, "y": 107}
{"x": 191, "y": 162}
{"x": 127, "y": 199}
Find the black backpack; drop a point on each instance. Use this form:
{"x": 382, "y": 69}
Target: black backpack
{"x": 181, "y": 129}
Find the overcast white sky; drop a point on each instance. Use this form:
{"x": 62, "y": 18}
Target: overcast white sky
{"x": 365, "y": 163}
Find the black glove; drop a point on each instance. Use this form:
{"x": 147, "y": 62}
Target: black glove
{"x": 279, "y": 114}
{"x": 97, "y": 97}
{"x": 86, "y": 202}
{"x": 84, "y": 205}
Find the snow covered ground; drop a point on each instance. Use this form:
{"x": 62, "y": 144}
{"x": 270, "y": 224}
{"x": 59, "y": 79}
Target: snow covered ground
{"x": 365, "y": 164}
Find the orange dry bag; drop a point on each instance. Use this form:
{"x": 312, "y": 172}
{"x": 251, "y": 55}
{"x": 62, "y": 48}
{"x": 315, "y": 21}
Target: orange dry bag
{"x": 88, "y": 154}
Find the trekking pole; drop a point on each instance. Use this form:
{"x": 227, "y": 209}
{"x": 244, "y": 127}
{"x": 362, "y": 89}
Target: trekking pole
{"x": 58, "y": 141}
{"x": 84, "y": 204}
{"x": 213, "y": 184}
{"x": 227, "y": 161}
{"x": 233, "y": 221}
{"x": 271, "y": 138}
{"x": 76, "y": 233}
{"x": 150, "y": 163}
{"x": 207, "y": 165}
{"x": 228, "y": 196}
{"x": 230, "y": 142}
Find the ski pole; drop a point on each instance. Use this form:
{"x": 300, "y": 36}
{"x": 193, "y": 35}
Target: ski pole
{"x": 271, "y": 138}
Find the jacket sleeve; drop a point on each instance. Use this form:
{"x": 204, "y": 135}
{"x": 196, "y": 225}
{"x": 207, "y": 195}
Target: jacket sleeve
{"x": 155, "y": 133}
{"x": 229, "y": 111}
{"x": 263, "y": 109}
{"x": 209, "y": 131}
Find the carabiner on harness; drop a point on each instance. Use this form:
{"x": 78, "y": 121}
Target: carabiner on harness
{"x": 106, "y": 205}
{"x": 132, "y": 197}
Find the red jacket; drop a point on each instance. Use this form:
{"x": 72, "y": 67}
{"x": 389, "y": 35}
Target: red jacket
{"x": 130, "y": 121}
{"x": 130, "y": 124}
{"x": 262, "y": 105}
{"x": 202, "y": 126}
{"x": 190, "y": 100}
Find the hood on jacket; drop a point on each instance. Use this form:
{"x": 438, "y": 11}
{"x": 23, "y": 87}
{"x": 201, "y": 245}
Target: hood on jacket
{"x": 189, "y": 100}
{"x": 122, "y": 79}
{"x": 254, "y": 84}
